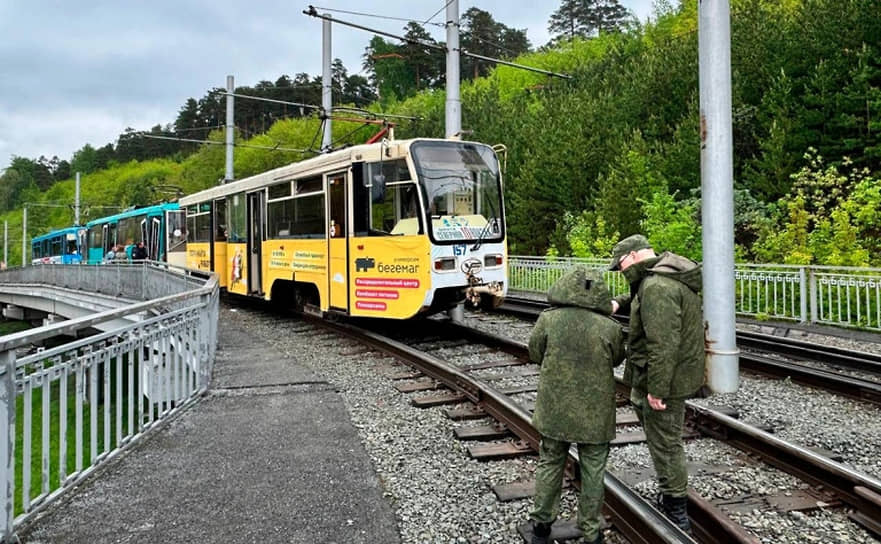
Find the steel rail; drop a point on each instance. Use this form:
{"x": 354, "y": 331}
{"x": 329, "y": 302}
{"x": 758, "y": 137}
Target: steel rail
{"x": 632, "y": 515}
{"x": 847, "y": 386}
{"x": 858, "y": 490}
{"x": 848, "y": 358}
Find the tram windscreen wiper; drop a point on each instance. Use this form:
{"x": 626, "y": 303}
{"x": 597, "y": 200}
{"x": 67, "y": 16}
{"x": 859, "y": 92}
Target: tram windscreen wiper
{"x": 483, "y": 232}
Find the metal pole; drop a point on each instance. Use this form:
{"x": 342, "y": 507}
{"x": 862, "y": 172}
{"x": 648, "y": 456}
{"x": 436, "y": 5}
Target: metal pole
{"x": 24, "y": 236}
{"x": 326, "y": 88}
{"x": 230, "y": 128}
{"x": 453, "y": 112}
{"x": 5, "y": 243}
{"x": 7, "y": 450}
{"x": 76, "y": 202}
{"x": 717, "y": 190}
{"x": 453, "y": 107}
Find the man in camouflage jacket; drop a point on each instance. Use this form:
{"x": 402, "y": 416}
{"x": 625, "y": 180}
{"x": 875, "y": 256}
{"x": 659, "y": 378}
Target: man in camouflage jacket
{"x": 577, "y": 343}
{"x": 665, "y": 357}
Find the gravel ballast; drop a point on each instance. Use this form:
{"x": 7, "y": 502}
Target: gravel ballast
{"x": 442, "y": 496}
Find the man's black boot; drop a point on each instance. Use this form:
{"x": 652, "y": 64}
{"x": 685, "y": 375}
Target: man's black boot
{"x": 541, "y": 532}
{"x": 676, "y": 510}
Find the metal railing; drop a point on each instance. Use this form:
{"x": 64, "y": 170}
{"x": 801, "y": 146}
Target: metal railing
{"x": 67, "y": 409}
{"x": 841, "y": 296}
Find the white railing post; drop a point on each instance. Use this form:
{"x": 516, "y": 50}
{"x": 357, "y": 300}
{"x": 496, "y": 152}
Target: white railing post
{"x": 204, "y": 345}
{"x": 812, "y": 289}
{"x": 803, "y": 294}
{"x": 7, "y": 430}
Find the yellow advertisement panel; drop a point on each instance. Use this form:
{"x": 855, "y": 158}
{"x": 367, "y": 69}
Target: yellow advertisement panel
{"x": 237, "y": 266}
{"x": 302, "y": 260}
{"x": 389, "y": 275}
{"x": 199, "y": 255}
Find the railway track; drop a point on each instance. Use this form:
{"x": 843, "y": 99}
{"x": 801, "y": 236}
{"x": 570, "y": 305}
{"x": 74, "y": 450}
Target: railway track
{"x": 451, "y": 383}
{"x": 857, "y": 490}
{"x": 761, "y": 355}
{"x": 635, "y": 518}
{"x": 832, "y": 483}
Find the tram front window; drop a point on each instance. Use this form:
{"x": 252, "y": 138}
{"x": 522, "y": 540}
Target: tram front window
{"x": 462, "y": 190}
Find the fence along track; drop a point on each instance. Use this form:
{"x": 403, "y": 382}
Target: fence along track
{"x": 843, "y": 296}
{"x": 84, "y": 402}
{"x": 635, "y": 518}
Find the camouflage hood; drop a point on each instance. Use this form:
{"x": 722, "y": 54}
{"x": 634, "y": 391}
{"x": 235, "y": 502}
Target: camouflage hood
{"x": 581, "y": 287}
{"x": 679, "y": 268}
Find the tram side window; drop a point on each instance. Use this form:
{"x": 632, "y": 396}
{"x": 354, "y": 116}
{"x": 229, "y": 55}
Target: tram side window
{"x": 394, "y": 199}
{"x": 237, "y": 218}
{"x": 96, "y": 237}
{"x": 199, "y": 223}
{"x": 129, "y": 230}
{"x": 296, "y": 217}
{"x": 361, "y": 197}
{"x": 177, "y": 230}
{"x": 220, "y": 228}
{"x": 397, "y": 212}
{"x": 56, "y": 246}
{"x": 37, "y": 250}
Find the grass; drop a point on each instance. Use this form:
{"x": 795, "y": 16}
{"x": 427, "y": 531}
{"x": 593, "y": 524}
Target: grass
{"x": 11, "y": 326}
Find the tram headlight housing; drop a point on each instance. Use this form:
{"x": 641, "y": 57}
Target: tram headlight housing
{"x": 445, "y": 264}
{"x": 492, "y": 261}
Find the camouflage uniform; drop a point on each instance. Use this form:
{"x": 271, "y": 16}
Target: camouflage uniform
{"x": 577, "y": 344}
{"x": 665, "y": 356}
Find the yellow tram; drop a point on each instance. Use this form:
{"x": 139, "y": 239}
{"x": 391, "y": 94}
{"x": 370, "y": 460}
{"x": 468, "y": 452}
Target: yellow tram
{"x": 390, "y": 229}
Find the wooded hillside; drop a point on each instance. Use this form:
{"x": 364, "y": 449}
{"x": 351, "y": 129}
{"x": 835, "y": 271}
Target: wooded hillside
{"x": 615, "y": 150}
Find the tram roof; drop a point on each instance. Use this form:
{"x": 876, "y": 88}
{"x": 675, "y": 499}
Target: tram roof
{"x": 57, "y": 232}
{"x": 309, "y": 167}
{"x": 144, "y": 210}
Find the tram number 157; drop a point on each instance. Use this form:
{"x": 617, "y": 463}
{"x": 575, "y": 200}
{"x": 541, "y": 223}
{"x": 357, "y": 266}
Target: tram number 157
{"x": 459, "y": 250}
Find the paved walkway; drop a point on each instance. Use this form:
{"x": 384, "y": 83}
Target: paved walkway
{"x": 268, "y": 456}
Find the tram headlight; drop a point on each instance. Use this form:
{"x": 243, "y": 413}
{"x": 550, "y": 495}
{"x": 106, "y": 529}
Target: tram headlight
{"x": 444, "y": 264}
{"x": 492, "y": 261}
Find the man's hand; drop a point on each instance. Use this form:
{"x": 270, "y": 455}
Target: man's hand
{"x": 656, "y": 403}
{"x": 615, "y": 306}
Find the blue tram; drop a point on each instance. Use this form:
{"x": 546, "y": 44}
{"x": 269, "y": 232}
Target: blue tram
{"x": 162, "y": 228}
{"x": 63, "y": 246}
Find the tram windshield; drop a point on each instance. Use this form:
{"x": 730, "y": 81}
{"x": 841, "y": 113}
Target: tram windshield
{"x": 462, "y": 190}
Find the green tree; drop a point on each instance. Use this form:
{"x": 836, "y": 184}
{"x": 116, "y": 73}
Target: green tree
{"x": 390, "y": 75}
{"x": 425, "y": 61}
{"x": 483, "y": 35}
{"x": 587, "y": 18}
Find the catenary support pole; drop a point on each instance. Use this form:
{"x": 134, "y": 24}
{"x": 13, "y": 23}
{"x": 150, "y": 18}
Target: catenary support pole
{"x": 230, "y": 128}
{"x": 76, "y": 202}
{"x": 326, "y": 89}
{"x": 453, "y": 113}
{"x": 24, "y": 235}
{"x": 5, "y": 243}
{"x": 717, "y": 194}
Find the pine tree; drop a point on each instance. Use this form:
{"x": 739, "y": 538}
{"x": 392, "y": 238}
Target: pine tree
{"x": 587, "y": 18}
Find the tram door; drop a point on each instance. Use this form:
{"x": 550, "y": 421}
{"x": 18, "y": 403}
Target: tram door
{"x": 337, "y": 240}
{"x": 150, "y": 231}
{"x": 255, "y": 242}
{"x": 175, "y": 250}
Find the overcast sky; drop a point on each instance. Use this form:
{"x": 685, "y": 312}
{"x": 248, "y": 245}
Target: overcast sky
{"x": 76, "y": 72}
